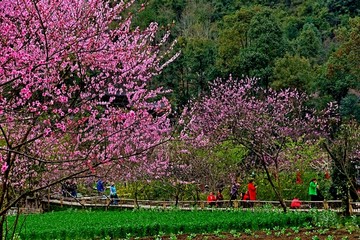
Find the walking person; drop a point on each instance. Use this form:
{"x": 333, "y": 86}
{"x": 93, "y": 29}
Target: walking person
{"x": 313, "y": 190}
{"x": 219, "y": 198}
{"x": 252, "y": 192}
{"x": 100, "y": 187}
{"x": 113, "y": 194}
{"x": 245, "y": 199}
{"x": 65, "y": 189}
{"x": 234, "y": 192}
{"x": 211, "y": 199}
{"x": 73, "y": 189}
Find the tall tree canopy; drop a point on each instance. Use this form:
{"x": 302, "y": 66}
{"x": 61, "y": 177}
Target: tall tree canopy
{"x": 342, "y": 71}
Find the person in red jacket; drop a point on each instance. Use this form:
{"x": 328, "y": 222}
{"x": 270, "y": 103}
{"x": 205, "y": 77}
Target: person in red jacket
{"x": 211, "y": 199}
{"x": 252, "y": 191}
{"x": 295, "y": 203}
{"x": 245, "y": 198}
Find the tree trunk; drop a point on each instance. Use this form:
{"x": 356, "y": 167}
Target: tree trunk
{"x": 2, "y": 221}
{"x": 136, "y": 203}
{"x": 347, "y": 202}
{"x": 177, "y": 193}
{"x": 279, "y": 196}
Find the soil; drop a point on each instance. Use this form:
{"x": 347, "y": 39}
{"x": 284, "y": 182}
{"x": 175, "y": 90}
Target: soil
{"x": 303, "y": 234}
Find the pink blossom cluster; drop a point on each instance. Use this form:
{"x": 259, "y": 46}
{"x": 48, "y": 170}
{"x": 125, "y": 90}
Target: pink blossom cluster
{"x": 262, "y": 120}
{"x": 58, "y": 61}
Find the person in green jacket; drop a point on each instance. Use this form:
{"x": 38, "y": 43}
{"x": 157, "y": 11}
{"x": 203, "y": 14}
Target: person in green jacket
{"x": 313, "y": 189}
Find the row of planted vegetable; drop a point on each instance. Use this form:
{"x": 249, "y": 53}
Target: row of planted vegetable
{"x": 96, "y": 224}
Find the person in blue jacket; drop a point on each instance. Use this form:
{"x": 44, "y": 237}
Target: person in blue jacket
{"x": 113, "y": 194}
{"x": 100, "y": 187}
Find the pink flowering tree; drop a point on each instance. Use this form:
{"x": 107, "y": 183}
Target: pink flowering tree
{"x": 74, "y": 95}
{"x": 261, "y": 120}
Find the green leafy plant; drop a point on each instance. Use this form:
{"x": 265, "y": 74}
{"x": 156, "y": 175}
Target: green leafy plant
{"x": 191, "y": 236}
{"x": 235, "y": 234}
{"x": 307, "y": 225}
{"x": 159, "y": 235}
{"x": 128, "y": 236}
{"x": 267, "y": 231}
{"x": 17, "y": 237}
{"x": 248, "y": 231}
{"x": 325, "y": 218}
{"x": 218, "y": 233}
{"x": 351, "y": 224}
{"x": 322, "y": 230}
{"x": 276, "y": 228}
{"x": 173, "y": 236}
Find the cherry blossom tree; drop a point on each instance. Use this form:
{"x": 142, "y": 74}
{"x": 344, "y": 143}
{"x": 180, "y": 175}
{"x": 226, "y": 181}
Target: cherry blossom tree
{"x": 74, "y": 93}
{"x": 261, "y": 120}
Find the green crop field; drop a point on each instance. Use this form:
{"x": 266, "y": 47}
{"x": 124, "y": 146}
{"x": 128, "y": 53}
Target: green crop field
{"x": 81, "y": 224}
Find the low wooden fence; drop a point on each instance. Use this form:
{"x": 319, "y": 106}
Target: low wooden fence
{"x": 106, "y": 202}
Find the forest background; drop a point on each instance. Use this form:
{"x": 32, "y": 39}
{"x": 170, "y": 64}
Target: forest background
{"x": 311, "y": 46}
{"x": 307, "y": 45}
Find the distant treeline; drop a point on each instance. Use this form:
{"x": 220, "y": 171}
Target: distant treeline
{"x": 311, "y": 45}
